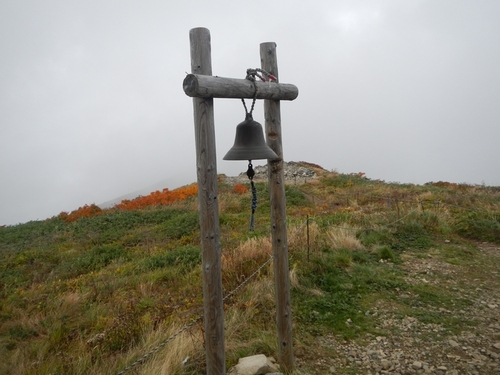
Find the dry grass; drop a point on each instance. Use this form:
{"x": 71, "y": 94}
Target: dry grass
{"x": 229, "y": 202}
{"x": 294, "y": 277}
{"x": 239, "y": 264}
{"x": 253, "y": 250}
{"x": 249, "y": 321}
{"x": 236, "y": 265}
{"x": 246, "y": 306}
{"x": 169, "y": 359}
{"x": 103, "y": 320}
{"x": 297, "y": 236}
{"x": 343, "y": 238}
{"x": 186, "y": 346}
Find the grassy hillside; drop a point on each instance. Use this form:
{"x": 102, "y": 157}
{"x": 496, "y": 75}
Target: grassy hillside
{"x": 91, "y": 291}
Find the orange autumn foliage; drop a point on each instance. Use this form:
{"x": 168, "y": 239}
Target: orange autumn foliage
{"x": 85, "y": 211}
{"x": 240, "y": 188}
{"x": 158, "y": 198}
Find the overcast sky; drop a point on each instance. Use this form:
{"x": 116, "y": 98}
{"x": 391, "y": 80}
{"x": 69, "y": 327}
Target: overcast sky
{"x": 92, "y": 106}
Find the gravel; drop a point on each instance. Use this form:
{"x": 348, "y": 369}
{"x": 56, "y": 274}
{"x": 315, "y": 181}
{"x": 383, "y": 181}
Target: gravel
{"x": 412, "y": 347}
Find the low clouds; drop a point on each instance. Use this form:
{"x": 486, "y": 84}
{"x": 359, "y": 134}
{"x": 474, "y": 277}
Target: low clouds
{"x": 92, "y": 107}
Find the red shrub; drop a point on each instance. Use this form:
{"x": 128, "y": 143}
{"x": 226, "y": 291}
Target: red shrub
{"x": 240, "y": 188}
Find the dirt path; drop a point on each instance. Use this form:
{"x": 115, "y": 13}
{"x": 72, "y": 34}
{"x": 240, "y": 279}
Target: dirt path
{"x": 414, "y": 347}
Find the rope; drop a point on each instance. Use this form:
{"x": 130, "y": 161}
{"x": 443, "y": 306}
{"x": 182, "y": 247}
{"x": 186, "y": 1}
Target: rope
{"x": 254, "y": 205}
{"x": 251, "y": 76}
{"x": 261, "y": 73}
{"x": 250, "y": 174}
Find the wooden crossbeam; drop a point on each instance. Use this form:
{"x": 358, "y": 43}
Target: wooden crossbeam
{"x": 204, "y": 86}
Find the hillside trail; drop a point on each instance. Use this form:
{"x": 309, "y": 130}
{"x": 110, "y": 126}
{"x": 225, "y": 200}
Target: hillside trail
{"x": 413, "y": 347}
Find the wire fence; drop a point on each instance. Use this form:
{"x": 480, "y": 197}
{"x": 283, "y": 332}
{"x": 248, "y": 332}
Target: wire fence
{"x": 200, "y": 317}
{"x": 298, "y": 230}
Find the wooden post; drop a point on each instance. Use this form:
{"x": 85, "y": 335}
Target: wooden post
{"x": 276, "y": 178}
{"x": 308, "y": 245}
{"x": 206, "y": 167}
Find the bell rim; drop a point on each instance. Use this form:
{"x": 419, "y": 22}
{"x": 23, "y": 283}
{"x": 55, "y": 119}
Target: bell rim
{"x": 242, "y": 153}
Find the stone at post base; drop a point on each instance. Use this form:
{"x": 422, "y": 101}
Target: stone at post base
{"x": 255, "y": 365}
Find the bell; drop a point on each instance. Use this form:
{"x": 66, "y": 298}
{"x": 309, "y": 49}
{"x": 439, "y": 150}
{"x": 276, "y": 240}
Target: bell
{"x": 249, "y": 143}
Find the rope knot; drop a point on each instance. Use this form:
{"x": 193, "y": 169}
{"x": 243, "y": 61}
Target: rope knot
{"x": 261, "y": 73}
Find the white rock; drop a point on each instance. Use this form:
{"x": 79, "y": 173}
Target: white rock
{"x": 254, "y": 365}
{"x": 417, "y": 365}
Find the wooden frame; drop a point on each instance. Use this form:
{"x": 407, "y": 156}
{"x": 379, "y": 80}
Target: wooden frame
{"x": 203, "y": 87}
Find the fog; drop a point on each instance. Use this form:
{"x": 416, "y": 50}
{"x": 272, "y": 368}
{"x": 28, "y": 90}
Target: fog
{"x": 92, "y": 106}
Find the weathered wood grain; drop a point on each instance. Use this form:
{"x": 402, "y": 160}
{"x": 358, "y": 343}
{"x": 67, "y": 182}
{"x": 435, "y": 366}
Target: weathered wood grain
{"x": 272, "y": 116}
{"x": 204, "y": 86}
{"x": 206, "y": 164}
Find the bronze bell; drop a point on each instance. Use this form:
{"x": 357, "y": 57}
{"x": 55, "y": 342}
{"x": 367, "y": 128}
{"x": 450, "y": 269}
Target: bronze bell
{"x": 249, "y": 143}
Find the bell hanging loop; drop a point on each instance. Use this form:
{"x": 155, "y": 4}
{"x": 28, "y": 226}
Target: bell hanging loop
{"x": 249, "y": 143}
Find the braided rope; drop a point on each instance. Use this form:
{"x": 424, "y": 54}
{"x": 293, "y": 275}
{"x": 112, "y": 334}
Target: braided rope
{"x": 251, "y": 74}
{"x": 254, "y": 205}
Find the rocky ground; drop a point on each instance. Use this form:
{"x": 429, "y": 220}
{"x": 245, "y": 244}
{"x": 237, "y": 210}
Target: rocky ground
{"x": 293, "y": 172}
{"x": 412, "y": 347}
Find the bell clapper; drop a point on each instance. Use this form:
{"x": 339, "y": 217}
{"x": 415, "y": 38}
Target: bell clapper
{"x": 250, "y": 174}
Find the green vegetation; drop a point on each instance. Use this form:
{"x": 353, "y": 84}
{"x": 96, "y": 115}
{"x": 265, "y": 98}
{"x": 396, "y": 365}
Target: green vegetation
{"x": 481, "y": 226}
{"x": 92, "y": 295}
